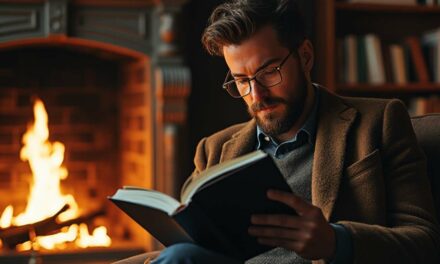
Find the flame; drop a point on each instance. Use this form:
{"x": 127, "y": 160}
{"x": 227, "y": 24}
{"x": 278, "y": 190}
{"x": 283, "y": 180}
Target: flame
{"x": 79, "y": 234}
{"x": 45, "y": 160}
{"x": 67, "y": 234}
{"x": 6, "y": 218}
{"x": 98, "y": 238}
{"x": 45, "y": 198}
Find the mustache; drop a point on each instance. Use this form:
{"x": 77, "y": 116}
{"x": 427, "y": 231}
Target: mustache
{"x": 255, "y": 107}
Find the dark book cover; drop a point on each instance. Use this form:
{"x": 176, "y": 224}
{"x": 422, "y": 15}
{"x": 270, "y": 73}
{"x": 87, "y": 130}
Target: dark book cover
{"x": 217, "y": 216}
{"x": 230, "y": 202}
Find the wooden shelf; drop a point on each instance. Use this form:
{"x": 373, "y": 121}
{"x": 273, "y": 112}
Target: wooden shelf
{"x": 336, "y": 19}
{"x": 389, "y": 89}
{"x": 365, "y": 7}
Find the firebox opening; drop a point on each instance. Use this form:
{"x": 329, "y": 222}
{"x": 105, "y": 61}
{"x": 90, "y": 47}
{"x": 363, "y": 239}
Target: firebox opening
{"x": 97, "y": 104}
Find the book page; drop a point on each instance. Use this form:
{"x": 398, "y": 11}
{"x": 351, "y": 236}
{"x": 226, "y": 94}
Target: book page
{"x": 147, "y": 198}
{"x": 216, "y": 172}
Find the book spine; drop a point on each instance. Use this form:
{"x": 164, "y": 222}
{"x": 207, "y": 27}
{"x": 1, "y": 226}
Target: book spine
{"x": 418, "y": 60}
{"x": 431, "y": 46}
{"x": 376, "y": 74}
{"x": 410, "y": 68}
{"x": 387, "y": 63}
{"x": 351, "y": 59}
{"x": 436, "y": 61}
{"x": 398, "y": 64}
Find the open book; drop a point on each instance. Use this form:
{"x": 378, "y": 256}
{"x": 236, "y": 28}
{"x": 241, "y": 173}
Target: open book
{"x": 215, "y": 206}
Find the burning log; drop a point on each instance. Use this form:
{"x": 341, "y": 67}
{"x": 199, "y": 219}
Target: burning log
{"x": 15, "y": 235}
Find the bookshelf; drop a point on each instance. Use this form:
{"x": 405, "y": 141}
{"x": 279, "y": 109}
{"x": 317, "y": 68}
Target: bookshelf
{"x": 391, "y": 23}
{"x": 390, "y": 89}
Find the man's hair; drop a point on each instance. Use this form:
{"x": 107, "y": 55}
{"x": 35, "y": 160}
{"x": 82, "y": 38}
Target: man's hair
{"x": 235, "y": 21}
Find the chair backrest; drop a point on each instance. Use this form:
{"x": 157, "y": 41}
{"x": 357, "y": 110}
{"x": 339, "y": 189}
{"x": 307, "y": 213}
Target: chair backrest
{"x": 427, "y": 128}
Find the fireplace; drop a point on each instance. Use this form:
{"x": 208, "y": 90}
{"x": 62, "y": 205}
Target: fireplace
{"x": 114, "y": 86}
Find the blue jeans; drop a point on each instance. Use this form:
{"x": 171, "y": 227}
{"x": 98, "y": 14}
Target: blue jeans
{"x": 187, "y": 253}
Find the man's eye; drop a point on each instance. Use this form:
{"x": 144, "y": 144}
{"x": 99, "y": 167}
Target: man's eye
{"x": 241, "y": 81}
{"x": 270, "y": 70}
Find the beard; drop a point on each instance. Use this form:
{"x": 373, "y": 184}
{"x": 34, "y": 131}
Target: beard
{"x": 278, "y": 122}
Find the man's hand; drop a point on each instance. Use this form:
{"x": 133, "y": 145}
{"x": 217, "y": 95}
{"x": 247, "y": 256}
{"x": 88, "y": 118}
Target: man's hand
{"x": 308, "y": 234}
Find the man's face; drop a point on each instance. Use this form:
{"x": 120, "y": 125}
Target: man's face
{"x": 277, "y": 108}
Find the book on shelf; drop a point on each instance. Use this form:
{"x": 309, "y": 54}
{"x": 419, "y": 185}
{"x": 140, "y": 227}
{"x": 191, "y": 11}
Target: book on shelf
{"x": 421, "y": 105}
{"x": 387, "y": 62}
{"x": 398, "y": 64}
{"x": 215, "y": 206}
{"x": 375, "y": 64}
{"x": 362, "y": 60}
{"x": 367, "y": 59}
{"x": 409, "y": 63}
{"x": 431, "y": 48}
{"x": 351, "y": 63}
{"x": 417, "y": 59}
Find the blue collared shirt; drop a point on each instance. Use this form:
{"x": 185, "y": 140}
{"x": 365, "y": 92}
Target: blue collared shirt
{"x": 307, "y": 135}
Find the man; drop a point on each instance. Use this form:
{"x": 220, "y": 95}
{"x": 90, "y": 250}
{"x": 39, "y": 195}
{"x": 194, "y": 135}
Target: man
{"x": 357, "y": 174}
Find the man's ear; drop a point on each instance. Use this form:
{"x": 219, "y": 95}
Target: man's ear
{"x": 306, "y": 55}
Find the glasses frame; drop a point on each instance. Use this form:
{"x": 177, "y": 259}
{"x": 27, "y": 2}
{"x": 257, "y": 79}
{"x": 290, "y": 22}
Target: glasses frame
{"x": 226, "y": 83}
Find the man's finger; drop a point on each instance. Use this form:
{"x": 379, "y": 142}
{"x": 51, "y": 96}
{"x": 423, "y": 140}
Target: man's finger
{"x": 290, "y": 200}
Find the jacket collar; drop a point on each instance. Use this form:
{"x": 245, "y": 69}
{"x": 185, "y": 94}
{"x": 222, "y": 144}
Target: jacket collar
{"x": 241, "y": 142}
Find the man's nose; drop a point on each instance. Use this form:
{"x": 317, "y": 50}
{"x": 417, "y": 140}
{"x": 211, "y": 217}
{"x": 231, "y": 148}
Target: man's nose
{"x": 258, "y": 91}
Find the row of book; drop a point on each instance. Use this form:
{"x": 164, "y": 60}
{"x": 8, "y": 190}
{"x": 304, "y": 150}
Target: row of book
{"x": 421, "y": 105}
{"x": 366, "y": 59}
{"x": 398, "y": 2}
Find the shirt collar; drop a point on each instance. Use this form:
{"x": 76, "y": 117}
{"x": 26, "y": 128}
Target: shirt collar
{"x": 309, "y": 126}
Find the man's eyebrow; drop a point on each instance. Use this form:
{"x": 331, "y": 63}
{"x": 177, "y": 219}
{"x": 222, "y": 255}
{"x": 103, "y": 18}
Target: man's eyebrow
{"x": 264, "y": 65}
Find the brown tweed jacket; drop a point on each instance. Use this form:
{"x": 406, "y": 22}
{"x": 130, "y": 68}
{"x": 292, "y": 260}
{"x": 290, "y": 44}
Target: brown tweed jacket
{"x": 368, "y": 174}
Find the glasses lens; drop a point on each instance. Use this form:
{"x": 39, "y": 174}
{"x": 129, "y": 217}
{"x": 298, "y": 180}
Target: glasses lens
{"x": 241, "y": 87}
{"x": 237, "y": 88}
{"x": 269, "y": 77}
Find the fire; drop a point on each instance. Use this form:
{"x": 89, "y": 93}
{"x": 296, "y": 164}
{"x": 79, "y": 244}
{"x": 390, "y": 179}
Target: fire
{"x": 72, "y": 233}
{"x": 98, "y": 238}
{"x": 45, "y": 198}
{"x": 6, "y": 218}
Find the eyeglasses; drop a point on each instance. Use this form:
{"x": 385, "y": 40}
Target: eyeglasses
{"x": 266, "y": 77}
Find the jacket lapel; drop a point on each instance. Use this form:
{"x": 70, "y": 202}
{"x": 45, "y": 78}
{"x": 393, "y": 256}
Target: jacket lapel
{"x": 335, "y": 119}
{"x": 241, "y": 142}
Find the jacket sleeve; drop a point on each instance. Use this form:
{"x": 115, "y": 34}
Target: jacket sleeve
{"x": 411, "y": 234}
